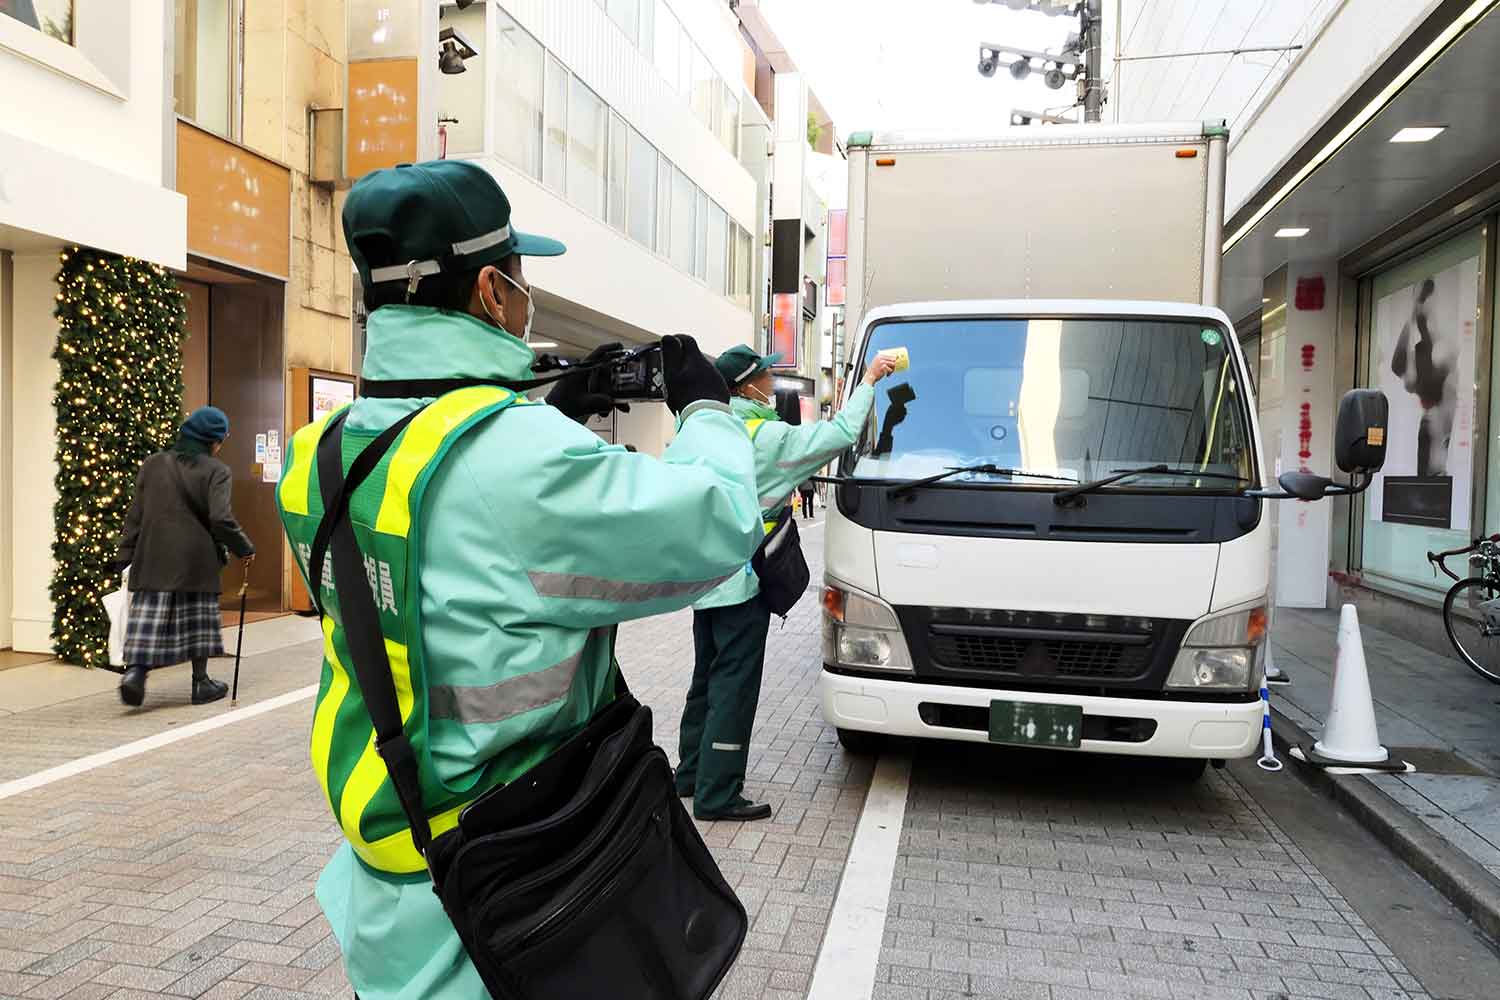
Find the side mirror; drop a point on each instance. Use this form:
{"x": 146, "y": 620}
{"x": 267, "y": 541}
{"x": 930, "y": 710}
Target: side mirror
{"x": 1304, "y": 485}
{"x": 1359, "y": 434}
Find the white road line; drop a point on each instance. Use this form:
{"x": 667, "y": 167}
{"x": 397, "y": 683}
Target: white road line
{"x": 851, "y": 948}
{"x": 128, "y": 750}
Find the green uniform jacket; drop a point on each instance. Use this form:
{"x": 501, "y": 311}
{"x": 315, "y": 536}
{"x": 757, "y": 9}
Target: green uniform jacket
{"x": 784, "y": 457}
{"x": 536, "y": 536}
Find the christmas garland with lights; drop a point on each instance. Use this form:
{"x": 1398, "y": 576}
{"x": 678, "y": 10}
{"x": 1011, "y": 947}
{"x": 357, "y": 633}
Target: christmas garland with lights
{"x": 118, "y": 399}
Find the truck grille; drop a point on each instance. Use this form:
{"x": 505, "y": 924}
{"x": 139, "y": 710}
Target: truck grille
{"x": 1039, "y": 657}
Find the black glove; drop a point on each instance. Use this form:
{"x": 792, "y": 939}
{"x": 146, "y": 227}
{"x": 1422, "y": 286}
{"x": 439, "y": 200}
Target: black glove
{"x": 689, "y": 376}
{"x": 585, "y": 394}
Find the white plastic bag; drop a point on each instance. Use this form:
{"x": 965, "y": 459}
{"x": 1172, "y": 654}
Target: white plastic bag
{"x": 117, "y": 606}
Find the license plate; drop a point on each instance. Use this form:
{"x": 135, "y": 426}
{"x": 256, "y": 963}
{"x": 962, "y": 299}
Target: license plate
{"x": 1029, "y": 724}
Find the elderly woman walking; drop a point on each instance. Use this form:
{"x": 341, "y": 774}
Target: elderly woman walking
{"x": 177, "y": 537}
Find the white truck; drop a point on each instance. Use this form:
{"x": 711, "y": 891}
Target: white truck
{"x": 1054, "y": 531}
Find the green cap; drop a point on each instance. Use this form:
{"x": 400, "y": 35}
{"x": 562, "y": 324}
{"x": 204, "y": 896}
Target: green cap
{"x": 741, "y": 362}
{"x": 442, "y": 216}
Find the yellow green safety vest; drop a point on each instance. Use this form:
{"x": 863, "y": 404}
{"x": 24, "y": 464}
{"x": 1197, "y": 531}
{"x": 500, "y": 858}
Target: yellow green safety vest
{"x": 384, "y": 511}
{"x": 754, "y": 426}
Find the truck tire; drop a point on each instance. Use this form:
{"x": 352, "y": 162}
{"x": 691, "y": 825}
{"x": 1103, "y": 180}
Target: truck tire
{"x": 860, "y": 743}
{"x": 1184, "y": 770}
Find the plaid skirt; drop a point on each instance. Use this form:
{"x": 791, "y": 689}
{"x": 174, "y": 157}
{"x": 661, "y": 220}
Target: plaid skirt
{"x": 166, "y": 628}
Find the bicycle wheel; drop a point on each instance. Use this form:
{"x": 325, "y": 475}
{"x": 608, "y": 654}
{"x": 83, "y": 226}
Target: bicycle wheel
{"x": 1477, "y": 644}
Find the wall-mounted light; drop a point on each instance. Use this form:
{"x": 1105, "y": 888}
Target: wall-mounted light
{"x": 453, "y": 50}
{"x": 1292, "y": 232}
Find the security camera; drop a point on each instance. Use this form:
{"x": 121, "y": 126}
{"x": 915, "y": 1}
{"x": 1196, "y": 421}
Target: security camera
{"x": 1054, "y": 78}
{"x": 1020, "y": 69}
{"x": 987, "y": 65}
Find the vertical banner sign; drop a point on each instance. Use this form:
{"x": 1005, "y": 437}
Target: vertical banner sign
{"x": 1424, "y": 362}
{"x": 785, "y": 325}
{"x": 1307, "y": 414}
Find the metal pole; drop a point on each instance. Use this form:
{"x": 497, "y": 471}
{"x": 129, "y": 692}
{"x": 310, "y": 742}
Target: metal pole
{"x": 1114, "y": 76}
{"x": 1210, "y": 52}
{"x": 1093, "y": 94}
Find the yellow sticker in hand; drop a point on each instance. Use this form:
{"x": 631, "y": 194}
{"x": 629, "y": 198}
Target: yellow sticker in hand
{"x": 900, "y": 356}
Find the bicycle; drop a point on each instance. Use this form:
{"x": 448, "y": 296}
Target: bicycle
{"x": 1477, "y": 638}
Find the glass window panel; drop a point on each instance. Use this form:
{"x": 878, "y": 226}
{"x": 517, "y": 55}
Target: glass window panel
{"x": 203, "y": 69}
{"x": 627, "y": 14}
{"x": 555, "y": 113}
{"x": 700, "y": 243}
{"x": 518, "y": 104}
{"x": 740, "y": 279}
{"x": 684, "y": 204}
{"x": 642, "y": 193}
{"x": 668, "y": 36}
{"x": 618, "y": 171}
{"x": 647, "y": 35}
{"x": 1423, "y": 349}
{"x": 703, "y": 88}
{"x": 53, "y": 18}
{"x": 729, "y": 121}
{"x": 718, "y": 249}
{"x": 588, "y": 133}
{"x": 664, "y": 174}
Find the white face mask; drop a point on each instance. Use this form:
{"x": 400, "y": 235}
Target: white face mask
{"x": 763, "y": 397}
{"x": 525, "y": 334}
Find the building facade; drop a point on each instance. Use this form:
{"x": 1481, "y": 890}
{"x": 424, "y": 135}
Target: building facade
{"x": 1363, "y": 191}
{"x": 85, "y": 158}
{"x": 612, "y": 126}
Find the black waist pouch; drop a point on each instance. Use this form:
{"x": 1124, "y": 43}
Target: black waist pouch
{"x": 584, "y": 877}
{"x": 780, "y": 565}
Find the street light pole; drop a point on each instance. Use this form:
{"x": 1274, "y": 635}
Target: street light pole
{"x": 1093, "y": 93}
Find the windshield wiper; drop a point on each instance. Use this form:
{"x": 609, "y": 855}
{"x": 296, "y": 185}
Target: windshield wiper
{"x": 899, "y": 491}
{"x": 1063, "y": 497}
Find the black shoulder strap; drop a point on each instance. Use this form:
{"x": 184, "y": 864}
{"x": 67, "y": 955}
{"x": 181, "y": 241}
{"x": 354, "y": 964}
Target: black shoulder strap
{"x": 361, "y": 617}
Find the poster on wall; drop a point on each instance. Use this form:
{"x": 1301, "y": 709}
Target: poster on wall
{"x": 1424, "y": 362}
{"x": 328, "y": 394}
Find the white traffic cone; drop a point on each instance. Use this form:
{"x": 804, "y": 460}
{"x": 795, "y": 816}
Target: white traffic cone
{"x": 1350, "y": 738}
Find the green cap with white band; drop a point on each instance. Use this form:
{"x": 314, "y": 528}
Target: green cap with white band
{"x": 444, "y": 216}
{"x": 741, "y": 362}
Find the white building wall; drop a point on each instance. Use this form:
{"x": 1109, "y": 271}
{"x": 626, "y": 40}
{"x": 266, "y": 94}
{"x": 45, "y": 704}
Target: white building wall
{"x": 86, "y": 139}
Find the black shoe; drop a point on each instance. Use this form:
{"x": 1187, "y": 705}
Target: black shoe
{"x": 742, "y": 812}
{"x": 207, "y": 690}
{"x": 133, "y": 686}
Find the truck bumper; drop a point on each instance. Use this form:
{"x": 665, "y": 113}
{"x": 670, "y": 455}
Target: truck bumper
{"x": 1183, "y": 728}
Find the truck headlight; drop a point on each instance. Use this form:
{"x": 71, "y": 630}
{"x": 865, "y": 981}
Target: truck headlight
{"x": 862, "y": 632}
{"x": 1222, "y": 652}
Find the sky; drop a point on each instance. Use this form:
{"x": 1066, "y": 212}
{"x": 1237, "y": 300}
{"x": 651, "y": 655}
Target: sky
{"x": 890, "y": 64}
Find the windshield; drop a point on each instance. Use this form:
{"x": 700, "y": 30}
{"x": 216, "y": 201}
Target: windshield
{"x": 1076, "y": 398}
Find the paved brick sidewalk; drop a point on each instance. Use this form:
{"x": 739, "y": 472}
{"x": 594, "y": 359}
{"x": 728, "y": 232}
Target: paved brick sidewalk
{"x": 189, "y": 870}
{"x": 1028, "y": 877}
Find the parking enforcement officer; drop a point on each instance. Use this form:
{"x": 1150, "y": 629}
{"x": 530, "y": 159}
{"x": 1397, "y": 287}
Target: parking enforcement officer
{"x": 502, "y": 540}
{"x": 730, "y": 624}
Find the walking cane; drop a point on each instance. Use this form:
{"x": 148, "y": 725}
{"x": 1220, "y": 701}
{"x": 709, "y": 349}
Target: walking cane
{"x": 239, "y": 643}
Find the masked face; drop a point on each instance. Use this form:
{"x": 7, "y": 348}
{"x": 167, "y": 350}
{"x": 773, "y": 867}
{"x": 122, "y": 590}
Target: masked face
{"x": 525, "y": 334}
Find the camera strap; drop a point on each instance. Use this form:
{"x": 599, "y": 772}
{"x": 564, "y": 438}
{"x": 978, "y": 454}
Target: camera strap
{"x": 431, "y": 388}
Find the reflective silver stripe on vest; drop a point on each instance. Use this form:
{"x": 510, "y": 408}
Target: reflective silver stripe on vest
{"x": 506, "y": 699}
{"x": 594, "y": 588}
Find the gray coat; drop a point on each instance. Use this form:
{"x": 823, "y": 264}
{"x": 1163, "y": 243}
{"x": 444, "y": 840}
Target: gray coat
{"x": 165, "y": 540}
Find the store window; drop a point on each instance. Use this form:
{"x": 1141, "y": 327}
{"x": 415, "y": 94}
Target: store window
{"x": 205, "y": 63}
{"x": 1423, "y": 341}
{"x": 518, "y": 111}
{"x": 641, "y": 194}
{"x": 555, "y": 118}
{"x": 53, "y": 18}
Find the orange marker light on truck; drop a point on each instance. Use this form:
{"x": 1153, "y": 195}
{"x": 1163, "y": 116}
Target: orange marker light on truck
{"x": 833, "y": 603}
{"x": 1187, "y": 154}
{"x": 885, "y": 161}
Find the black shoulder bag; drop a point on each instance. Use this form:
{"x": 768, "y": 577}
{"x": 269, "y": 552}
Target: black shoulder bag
{"x": 584, "y": 876}
{"x": 781, "y": 566}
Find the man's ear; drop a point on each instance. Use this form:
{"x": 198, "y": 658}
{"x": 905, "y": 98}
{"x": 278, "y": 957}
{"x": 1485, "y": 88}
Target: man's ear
{"x": 484, "y": 301}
